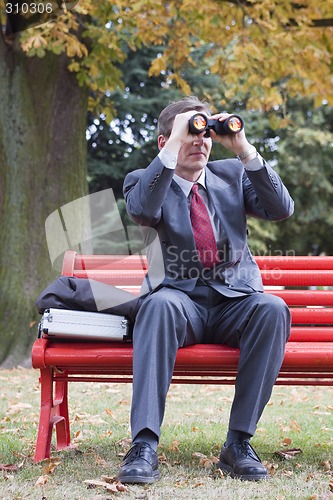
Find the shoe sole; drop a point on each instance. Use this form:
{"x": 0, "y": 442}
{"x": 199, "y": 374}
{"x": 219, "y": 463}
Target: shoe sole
{"x": 140, "y": 479}
{"x": 244, "y": 477}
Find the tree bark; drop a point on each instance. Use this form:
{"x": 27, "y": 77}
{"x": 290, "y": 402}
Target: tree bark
{"x": 42, "y": 166}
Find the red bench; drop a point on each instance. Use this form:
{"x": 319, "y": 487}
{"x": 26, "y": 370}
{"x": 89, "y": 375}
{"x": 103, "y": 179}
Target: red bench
{"x": 308, "y": 359}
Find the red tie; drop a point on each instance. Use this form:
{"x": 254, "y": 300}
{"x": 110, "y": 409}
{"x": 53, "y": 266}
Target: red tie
{"x": 202, "y": 230}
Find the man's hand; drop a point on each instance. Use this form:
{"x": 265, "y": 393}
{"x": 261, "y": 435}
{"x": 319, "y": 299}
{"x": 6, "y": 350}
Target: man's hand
{"x": 180, "y": 132}
{"x": 237, "y": 143}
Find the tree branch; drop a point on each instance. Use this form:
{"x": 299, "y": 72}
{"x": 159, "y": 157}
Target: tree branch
{"x": 315, "y": 23}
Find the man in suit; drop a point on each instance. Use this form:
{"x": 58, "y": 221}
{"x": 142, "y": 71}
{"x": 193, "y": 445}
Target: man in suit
{"x": 210, "y": 289}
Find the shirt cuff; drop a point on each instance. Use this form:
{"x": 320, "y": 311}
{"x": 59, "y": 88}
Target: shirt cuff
{"x": 256, "y": 164}
{"x": 168, "y": 159}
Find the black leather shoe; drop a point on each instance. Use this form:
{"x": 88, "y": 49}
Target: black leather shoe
{"x": 240, "y": 461}
{"x": 140, "y": 465}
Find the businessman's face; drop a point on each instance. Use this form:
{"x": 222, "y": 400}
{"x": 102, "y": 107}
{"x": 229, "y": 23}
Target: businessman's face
{"x": 193, "y": 157}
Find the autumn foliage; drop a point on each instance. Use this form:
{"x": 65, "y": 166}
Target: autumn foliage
{"x": 264, "y": 49}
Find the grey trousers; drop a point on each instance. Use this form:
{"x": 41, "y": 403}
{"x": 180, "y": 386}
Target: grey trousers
{"x": 259, "y": 324}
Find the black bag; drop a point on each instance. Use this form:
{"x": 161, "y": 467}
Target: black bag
{"x": 84, "y": 294}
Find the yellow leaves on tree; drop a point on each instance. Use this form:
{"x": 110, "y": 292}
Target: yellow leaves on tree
{"x": 266, "y": 49}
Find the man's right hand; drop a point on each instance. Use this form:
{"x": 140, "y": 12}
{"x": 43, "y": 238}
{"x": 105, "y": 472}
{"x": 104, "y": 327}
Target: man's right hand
{"x": 180, "y": 132}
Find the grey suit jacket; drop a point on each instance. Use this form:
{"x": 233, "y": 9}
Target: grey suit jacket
{"x": 158, "y": 205}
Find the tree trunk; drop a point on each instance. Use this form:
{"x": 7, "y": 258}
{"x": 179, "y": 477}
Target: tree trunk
{"x": 42, "y": 166}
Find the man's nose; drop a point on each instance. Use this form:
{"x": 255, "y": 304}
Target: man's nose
{"x": 198, "y": 139}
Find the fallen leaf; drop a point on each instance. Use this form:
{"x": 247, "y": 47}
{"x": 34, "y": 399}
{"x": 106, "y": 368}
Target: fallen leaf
{"x": 271, "y": 467}
{"x": 110, "y": 487}
{"x": 162, "y": 458}
{"x": 295, "y": 425}
{"x": 109, "y": 479}
{"x": 50, "y": 468}
{"x": 124, "y": 443}
{"x": 78, "y": 436}
{"x": 111, "y": 414}
{"x": 206, "y": 463}
{"x": 174, "y": 446}
{"x": 42, "y": 480}
{"x": 326, "y": 464}
{"x": 9, "y": 467}
{"x": 18, "y": 407}
{"x": 219, "y": 474}
{"x": 286, "y": 441}
{"x": 197, "y": 454}
{"x": 288, "y": 454}
{"x": 101, "y": 461}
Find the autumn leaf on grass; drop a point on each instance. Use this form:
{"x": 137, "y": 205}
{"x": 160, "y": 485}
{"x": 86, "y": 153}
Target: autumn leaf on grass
{"x": 174, "y": 446}
{"x": 288, "y": 454}
{"x": 51, "y": 466}
{"x": 162, "y": 458}
{"x": 205, "y": 461}
{"x": 15, "y": 408}
{"x": 110, "y": 487}
{"x": 286, "y": 442}
{"x": 111, "y": 414}
{"x": 9, "y": 467}
{"x": 78, "y": 436}
{"x": 327, "y": 465}
{"x": 295, "y": 425}
{"x": 125, "y": 444}
{"x": 272, "y": 467}
{"x": 42, "y": 480}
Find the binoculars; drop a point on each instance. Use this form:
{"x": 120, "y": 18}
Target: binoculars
{"x": 199, "y": 123}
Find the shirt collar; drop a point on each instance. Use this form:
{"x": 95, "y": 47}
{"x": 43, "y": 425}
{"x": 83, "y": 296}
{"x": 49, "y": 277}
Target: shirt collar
{"x": 186, "y": 185}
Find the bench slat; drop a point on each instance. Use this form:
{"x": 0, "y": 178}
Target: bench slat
{"x": 305, "y": 297}
{"x": 308, "y": 315}
{"x": 273, "y": 277}
{"x": 112, "y": 356}
{"x": 295, "y": 262}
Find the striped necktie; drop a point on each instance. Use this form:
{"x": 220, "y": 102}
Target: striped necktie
{"x": 202, "y": 230}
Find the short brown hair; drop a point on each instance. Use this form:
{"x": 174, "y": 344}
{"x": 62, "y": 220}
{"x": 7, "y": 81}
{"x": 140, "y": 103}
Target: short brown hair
{"x": 168, "y": 114}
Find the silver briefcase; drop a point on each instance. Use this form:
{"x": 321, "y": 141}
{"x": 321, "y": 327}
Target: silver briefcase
{"x": 83, "y": 325}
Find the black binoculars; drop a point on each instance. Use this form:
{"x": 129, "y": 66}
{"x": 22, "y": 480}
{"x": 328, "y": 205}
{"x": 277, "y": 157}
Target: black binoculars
{"x": 199, "y": 123}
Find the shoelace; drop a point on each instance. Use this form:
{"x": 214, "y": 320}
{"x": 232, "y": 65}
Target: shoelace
{"x": 136, "y": 452}
{"x": 248, "y": 451}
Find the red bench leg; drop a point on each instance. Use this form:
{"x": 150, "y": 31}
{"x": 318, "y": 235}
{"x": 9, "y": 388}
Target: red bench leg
{"x": 53, "y": 412}
{"x": 60, "y": 413}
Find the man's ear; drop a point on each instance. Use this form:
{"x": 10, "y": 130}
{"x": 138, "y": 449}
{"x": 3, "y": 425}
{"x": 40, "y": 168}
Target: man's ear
{"x": 161, "y": 141}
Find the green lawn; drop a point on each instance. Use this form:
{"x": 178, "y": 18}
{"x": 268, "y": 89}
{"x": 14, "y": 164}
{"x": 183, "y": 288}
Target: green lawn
{"x": 194, "y": 430}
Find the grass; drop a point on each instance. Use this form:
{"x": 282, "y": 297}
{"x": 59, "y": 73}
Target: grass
{"x": 193, "y": 432}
